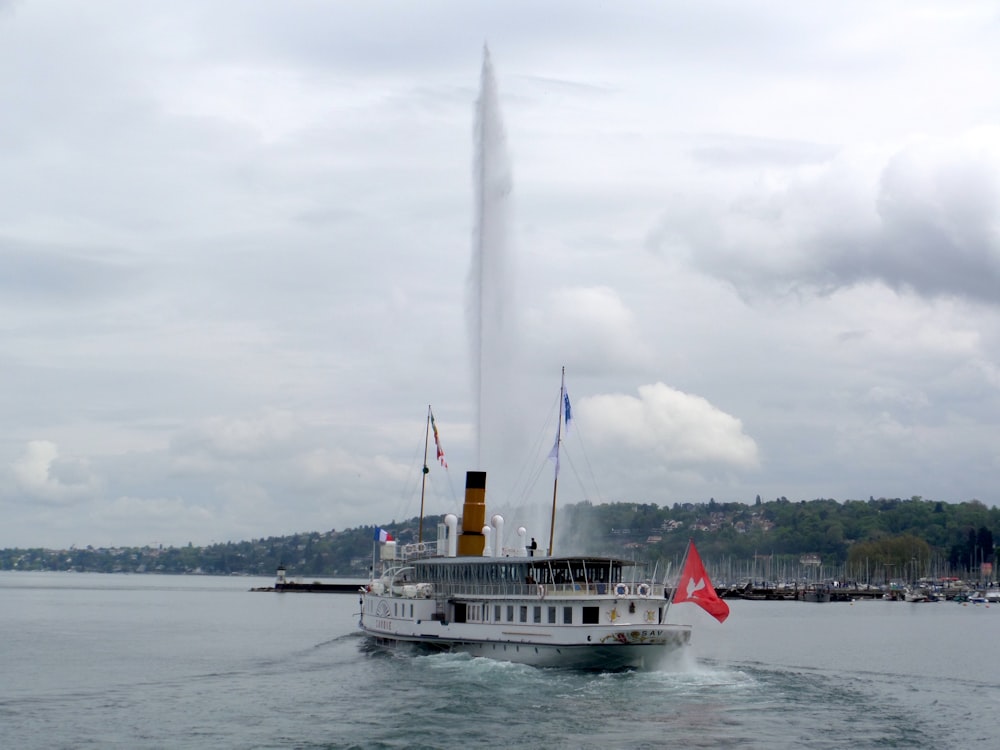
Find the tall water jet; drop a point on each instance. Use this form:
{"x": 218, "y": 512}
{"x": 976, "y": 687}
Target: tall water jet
{"x": 490, "y": 283}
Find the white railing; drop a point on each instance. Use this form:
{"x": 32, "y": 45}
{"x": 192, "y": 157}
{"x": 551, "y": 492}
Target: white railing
{"x": 545, "y": 590}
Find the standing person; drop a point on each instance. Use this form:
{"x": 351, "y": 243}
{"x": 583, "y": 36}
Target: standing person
{"x": 532, "y": 547}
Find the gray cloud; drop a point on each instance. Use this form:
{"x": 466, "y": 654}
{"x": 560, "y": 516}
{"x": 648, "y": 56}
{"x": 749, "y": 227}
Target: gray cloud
{"x": 235, "y": 238}
{"x": 922, "y": 219}
{"x": 45, "y": 275}
{"x": 939, "y": 209}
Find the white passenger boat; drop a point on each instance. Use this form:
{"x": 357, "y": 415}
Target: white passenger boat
{"x": 575, "y": 611}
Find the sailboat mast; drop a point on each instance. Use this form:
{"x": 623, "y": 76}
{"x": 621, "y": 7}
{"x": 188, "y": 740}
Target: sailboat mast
{"x": 555, "y": 481}
{"x": 423, "y": 476}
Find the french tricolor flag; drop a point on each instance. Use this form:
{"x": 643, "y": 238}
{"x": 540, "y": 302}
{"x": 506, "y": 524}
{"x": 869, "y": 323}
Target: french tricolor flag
{"x": 381, "y": 535}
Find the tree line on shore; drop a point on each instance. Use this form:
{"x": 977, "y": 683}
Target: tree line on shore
{"x": 873, "y": 539}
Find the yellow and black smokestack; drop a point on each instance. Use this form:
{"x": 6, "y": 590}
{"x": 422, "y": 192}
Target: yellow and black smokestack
{"x": 471, "y": 541}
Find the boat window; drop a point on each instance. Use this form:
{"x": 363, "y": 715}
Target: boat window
{"x": 537, "y": 614}
{"x": 591, "y": 615}
{"x": 524, "y": 614}
{"x": 510, "y": 613}
{"x": 567, "y": 615}
{"x": 496, "y": 613}
{"x": 552, "y": 615}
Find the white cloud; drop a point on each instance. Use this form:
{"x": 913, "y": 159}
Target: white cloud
{"x": 249, "y": 438}
{"x": 587, "y": 328}
{"x": 44, "y": 477}
{"x": 668, "y": 427}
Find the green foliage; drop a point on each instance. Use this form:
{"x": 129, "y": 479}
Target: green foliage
{"x": 905, "y": 556}
{"x": 883, "y": 536}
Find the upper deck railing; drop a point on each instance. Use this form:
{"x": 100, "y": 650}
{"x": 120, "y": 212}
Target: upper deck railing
{"x": 521, "y": 590}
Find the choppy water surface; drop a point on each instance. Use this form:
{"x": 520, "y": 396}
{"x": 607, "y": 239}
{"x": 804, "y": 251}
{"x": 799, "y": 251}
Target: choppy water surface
{"x": 156, "y": 661}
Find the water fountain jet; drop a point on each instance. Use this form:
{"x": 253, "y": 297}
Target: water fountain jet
{"x": 490, "y": 280}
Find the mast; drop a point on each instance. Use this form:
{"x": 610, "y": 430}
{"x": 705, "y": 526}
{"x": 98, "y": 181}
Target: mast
{"x": 555, "y": 481}
{"x": 673, "y": 594}
{"x": 423, "y": 476}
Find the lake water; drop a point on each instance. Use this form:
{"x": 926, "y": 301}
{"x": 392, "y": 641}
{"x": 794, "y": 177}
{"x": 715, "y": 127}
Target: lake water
{"x": 104, "y": 661}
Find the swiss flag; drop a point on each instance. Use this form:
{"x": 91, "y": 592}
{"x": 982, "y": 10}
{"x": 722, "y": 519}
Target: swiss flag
{"x": 695, "y": 586}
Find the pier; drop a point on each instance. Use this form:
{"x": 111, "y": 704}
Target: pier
{"x": 793, "y": 593}
{"x": 315, "y": 587}
{"x": 836, "y": 593}
{"x": 283, "y": 586}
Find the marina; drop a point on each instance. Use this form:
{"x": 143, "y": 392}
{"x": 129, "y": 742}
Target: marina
{"x": 834, "y": 591}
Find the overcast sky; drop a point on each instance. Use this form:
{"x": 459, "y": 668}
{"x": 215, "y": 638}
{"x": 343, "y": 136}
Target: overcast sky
{"x": 763, "y": 239}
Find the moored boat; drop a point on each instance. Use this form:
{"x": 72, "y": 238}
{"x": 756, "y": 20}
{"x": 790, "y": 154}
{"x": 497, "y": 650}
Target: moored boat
{"x": 918, "y": 595}
{"x": 816, "y": 592}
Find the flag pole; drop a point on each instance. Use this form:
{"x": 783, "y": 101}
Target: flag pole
{"x": 673, "y": 593}
{"x": 423, "y": 476}
{"x": 555, "y": 481}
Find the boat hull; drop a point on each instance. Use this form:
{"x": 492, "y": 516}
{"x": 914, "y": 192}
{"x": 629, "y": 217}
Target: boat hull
{"x": 609, "y": 658}
{"x": 636, "y": 640}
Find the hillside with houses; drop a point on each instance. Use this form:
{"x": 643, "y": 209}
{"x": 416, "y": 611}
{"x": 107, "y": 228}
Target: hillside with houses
{"x": 873, "y": 539}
